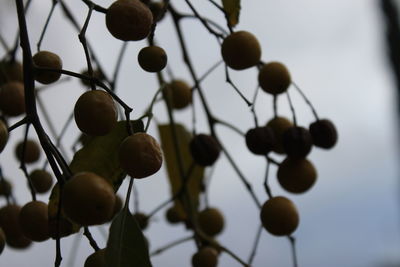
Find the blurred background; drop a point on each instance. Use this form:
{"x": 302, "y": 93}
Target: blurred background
{"x": 336, "y": 52}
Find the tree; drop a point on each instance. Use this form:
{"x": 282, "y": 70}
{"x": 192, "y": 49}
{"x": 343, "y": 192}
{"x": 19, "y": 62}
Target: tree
{"x": 109, "y": 150}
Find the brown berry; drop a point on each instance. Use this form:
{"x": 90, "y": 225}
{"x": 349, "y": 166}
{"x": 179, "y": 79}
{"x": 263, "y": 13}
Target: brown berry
{"x": 323, "y": 133}
{"x": 12, "y": 98}
{"x": 142, "y": 220}
{"x": 211, "y": 221}
{"x": 157, "y": 9}
{"x": 11, "y": 71}
{"x": 279, "y": 125}
{"x": 241, "y": 50}
{"x": 152, "y": 58}
{"x": 129, "y": 20}
{"x": 18, "y": 242}
{"x": 297, "y": 142}
{"x": 3, "y": 135}
{"x": 296, "y": 175}
{"x": 46, "y": 59}
{"x": 260, "y": 140}
{"x": 88, "y": 199}
{"x": 274, "y": 78}
{"x": 179, "y": 94}
{"x": 205, "y": 257}
{"x": 279, "y": 216}
{"x": 96, "y": 259}
{"x": 2, "y": 240}
{"x": 41, "y": 180}
{"x": 5, "y": 187}
{"x": 140, "y": 155}
{"x": 95, "y": 113}
{"x": 96, "y": 74}
{"x": 173, "y": 216}
{"x": 33, "y": 220}
{"x": 32, "y": 151}
{"x": 9, "y": 222}
{"x": 204, "y": 149}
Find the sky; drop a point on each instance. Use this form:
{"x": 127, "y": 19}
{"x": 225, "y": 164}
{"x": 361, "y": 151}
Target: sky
{"x": 335, "y": 52}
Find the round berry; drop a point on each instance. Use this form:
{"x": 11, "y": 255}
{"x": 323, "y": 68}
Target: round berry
{"x": 12, "y": 98}
{"x": 296, "y": 175}
{"x": 152, "y": 58}
{"x": 274, "y": 78}
{"x": 211, "y": 221}
{"x": 205, "y": 257}
{"x": 260, "y": 140}
{"x": 96, "y": 259}
{"x": 140, "y": 155}
{"x": 179, "y": 94}
{"x": 96, "y": 74}
{"x": 95, "y": 113}
{"x": 142, "y": 220}
{"x": 33, "y": 220}
{"x": 88, "y": 199}
{"x": 278, "y": 126}
{"x": 157, "y": 9}
{"x": 173, "y": 216}
{"x": 9, "y": 220}
{"x": 18, "y": 242}
{"x": 297, "y": 142}
{"x": 323, "y": 133}
{"x": 129, "y": 20}
{"x": 41, "y": 180}
{"x": 5, "y": 188}
{"x": 279, "y": 216}
{"x": 241, "y": 50}
{"x": 32, "y": 151}
{"x": 3, "y": 135}
{"x": 46, "y": 59}
{"x": 204, "y": 149}
{"x": 11, "y": 71}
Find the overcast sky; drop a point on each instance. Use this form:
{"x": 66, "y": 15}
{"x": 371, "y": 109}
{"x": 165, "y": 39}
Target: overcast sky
{"x": 335, "y": 51}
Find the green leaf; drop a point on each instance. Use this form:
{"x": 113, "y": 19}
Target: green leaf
{"x": 171, "y": 161}
{"x": 100, "y": 154}
{"x": 126, "y": 245}
{"x": 232, "y": 9}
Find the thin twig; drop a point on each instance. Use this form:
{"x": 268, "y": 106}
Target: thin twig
{"x": 171, "y": 245}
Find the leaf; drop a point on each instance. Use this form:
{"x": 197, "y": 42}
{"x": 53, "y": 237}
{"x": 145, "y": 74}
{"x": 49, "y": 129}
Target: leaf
{"x": 232, "y": 9}
{"x": 126, "y": 245}
{"x": 100, "y": 154}
{"x": 197, "y": 174}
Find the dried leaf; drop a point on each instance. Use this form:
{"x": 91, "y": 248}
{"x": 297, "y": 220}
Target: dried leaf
{"x": 232, "y": 9}
{"x": 126, "y": 245}
{"x": 196, "y": 178}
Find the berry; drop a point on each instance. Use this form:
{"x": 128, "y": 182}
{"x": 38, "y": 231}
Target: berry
{"x": 2, "y": 240}
{"x": 152, "y": 58}
{"x": 173, "y": 216}
{"x": 65, "y": 227}
{"x": 9, "y": 222}
{"x": 297, "y": 142}
{"x": 274, "y": 78}
{"x": 88, "y": 199}
{"x": 96, "y": 259}
{"x": 95, "y": 113}
{"x": 12, "y": 98}
{"x": 142, "y": 220}
{"x": 204, "y": 149}
{"x": 46, "y": 59}
{"x": 5, "y": 187}
{"x": 11, "y": 71}
{"x": 140, "y": 155}
{"x": 211, "y": 221}
{"x": 96, "y": 74}
{"x": 157, "y": 9}
{"x": 41, "y": 180}
{"x": 33, "y": 220}
{"x": 32, "y": 151}
{"x": 3, "y": 135}
{"x": 18, "y": 242}
{"x": 129, "y": 20}
{"x": 296, "y": 175}
{"x": 279, "y": 216}
{"x": 260, "y": 140}
{"x": 205, "y": 257}
{"x": 241, "y": 50}
{"x": 323, "y": 133}
{"x": 179, "y": 94}
{"x": 278, "y": 126}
